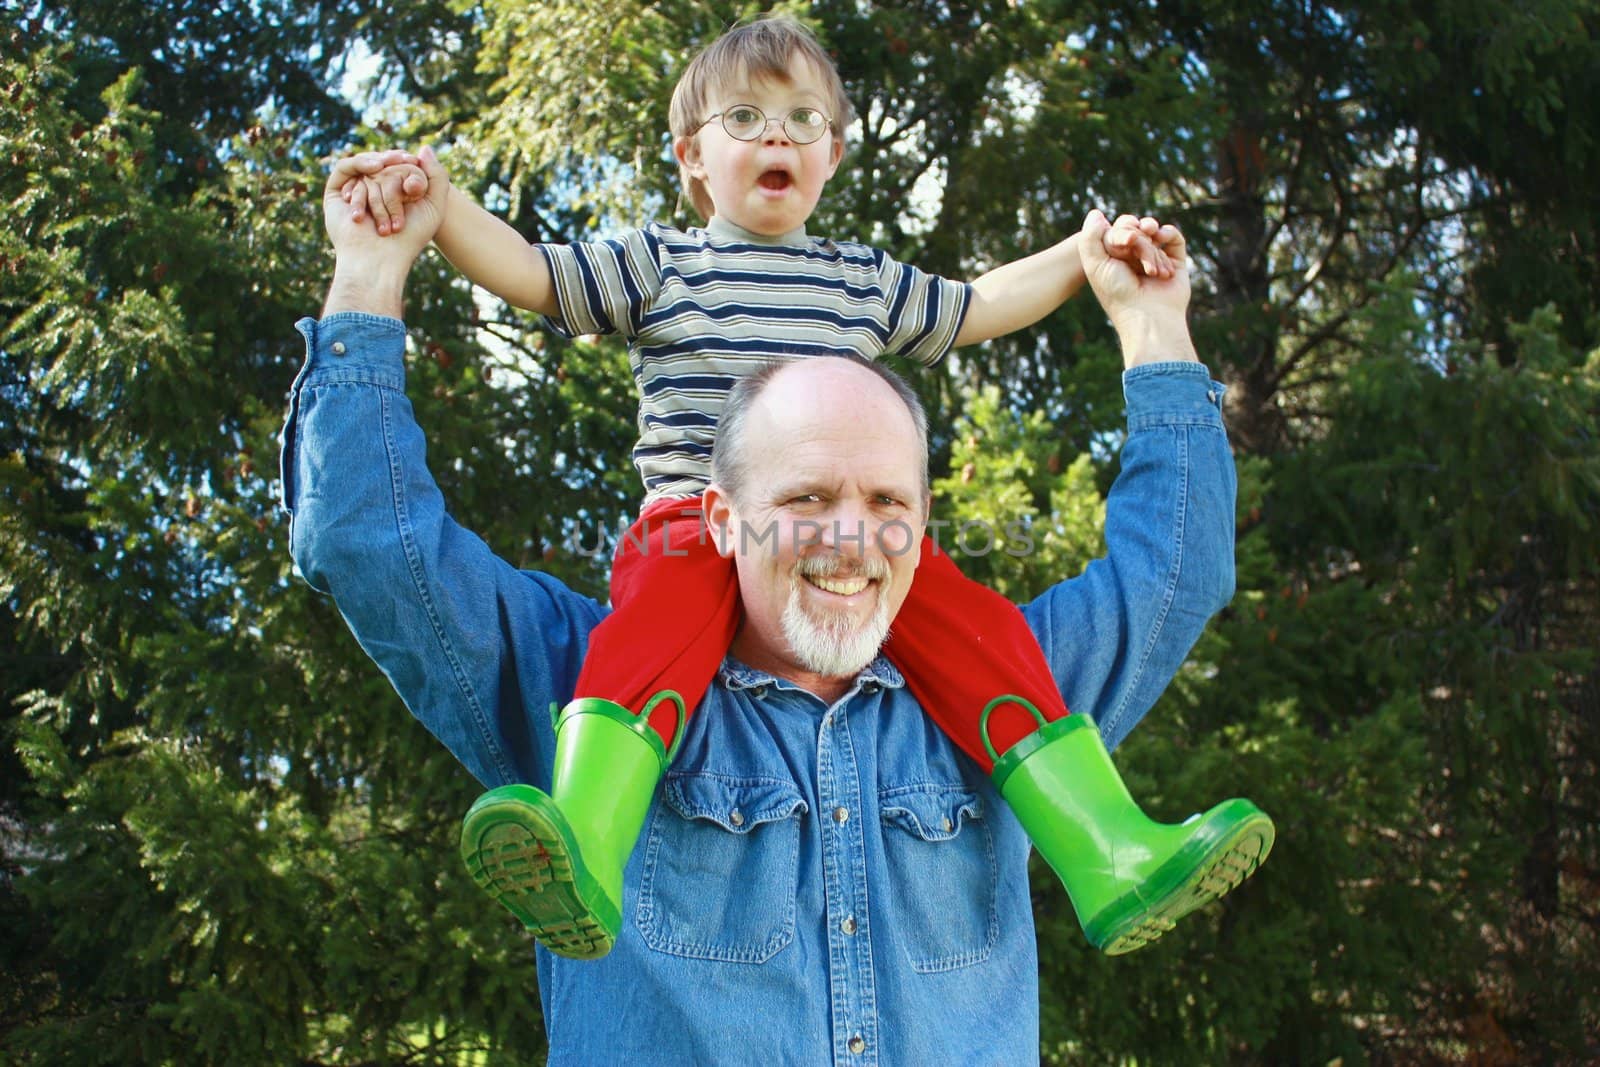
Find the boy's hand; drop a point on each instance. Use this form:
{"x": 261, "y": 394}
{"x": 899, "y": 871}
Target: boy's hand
{"x": 384, "y": 195}
{"x": 354, "y": 171}
{"x": 1143, "y": 241}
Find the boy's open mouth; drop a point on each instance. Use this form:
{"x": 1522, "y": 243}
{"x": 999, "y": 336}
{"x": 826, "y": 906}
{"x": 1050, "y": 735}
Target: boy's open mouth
{"x": 775, "y": 179}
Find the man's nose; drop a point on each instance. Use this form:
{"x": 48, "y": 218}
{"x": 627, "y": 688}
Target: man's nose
{"x": 846, "y": 531}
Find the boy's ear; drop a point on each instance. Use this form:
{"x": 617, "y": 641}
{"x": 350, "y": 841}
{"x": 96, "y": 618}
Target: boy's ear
{"x": 716, "y": 512}
{"x": 687, "y": 151}
{"x": 835, "y": 153}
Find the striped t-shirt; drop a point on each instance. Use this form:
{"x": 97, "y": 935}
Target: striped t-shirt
{"x": 702, "y": 308}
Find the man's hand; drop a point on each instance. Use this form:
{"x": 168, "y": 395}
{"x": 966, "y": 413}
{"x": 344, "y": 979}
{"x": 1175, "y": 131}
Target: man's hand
{"x": 370, "y": 270}
{"x": 1148, "y": 310}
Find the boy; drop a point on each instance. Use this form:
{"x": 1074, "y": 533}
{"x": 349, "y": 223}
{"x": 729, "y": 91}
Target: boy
{"x": 757, "y": 121}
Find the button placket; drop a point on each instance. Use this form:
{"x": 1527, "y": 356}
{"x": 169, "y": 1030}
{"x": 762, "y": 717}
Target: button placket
{"x": 853, "y": 991}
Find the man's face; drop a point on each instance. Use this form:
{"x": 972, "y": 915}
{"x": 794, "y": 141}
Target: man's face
{"x": 769, "y": 185}
{"x": 828, "y": 528}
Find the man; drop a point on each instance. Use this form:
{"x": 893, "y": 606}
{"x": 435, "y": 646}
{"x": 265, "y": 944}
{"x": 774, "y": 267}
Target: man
{"x": 823, "y": 875}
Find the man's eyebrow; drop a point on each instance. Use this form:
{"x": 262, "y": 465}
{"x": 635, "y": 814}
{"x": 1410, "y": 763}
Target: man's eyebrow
{"x": 795, "y": 485}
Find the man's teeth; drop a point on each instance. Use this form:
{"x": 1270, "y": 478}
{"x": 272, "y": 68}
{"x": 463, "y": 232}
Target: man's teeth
{"x": 842, "y": 586}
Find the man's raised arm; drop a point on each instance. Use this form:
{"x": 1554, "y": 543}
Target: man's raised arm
{"x": 476, "y": 649}
{"x": 1117, "y": 634}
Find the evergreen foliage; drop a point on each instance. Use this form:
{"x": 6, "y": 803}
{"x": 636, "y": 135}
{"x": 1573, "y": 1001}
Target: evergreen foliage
{"x": 222, "y": 839}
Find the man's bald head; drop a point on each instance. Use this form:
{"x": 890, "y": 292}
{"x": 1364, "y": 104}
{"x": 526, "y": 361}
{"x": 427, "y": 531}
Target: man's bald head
{"x": 730, "y": 456}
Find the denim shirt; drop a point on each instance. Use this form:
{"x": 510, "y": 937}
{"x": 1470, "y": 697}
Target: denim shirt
{"x": 815, "y": 883}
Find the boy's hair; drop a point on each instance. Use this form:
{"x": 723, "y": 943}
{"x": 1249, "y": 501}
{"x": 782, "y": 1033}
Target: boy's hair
{"x": 759, "y": 49}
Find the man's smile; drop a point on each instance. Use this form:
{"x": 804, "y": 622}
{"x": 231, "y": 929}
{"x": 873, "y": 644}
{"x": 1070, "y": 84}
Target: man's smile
{"x": 840, "y": 586}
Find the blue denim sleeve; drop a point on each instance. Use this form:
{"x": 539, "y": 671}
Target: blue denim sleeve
{"x": 476, "y": 648}
{"x": 1116, "y": 634}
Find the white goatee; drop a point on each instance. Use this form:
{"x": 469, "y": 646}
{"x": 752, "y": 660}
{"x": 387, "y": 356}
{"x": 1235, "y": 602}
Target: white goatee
{"x": 830, "y": 643}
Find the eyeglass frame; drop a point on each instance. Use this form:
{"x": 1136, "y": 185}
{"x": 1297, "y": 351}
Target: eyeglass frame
{"x": 766, "y": 123}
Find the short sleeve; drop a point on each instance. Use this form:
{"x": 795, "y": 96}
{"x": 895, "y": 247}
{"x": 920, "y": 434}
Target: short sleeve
{"x": 925, "y": 311}
{"x": 604, "y": 286}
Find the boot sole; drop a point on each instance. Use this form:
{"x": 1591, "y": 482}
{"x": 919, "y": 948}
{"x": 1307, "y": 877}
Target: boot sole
{"x": 520, "y": 850}
{"x": 1221, "y": 854}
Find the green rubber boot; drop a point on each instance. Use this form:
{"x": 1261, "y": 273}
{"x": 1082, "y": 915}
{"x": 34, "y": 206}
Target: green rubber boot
{"x": 555, "y": 860}
{"x": 1130, "y": 878}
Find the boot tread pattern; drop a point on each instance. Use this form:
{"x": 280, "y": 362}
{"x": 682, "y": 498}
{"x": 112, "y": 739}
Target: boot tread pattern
{"x": 1232, "y": 865}
{"x": 532, "y": 877}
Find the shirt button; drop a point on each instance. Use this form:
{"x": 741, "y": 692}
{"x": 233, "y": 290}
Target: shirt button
{"x": 736, "y": 817}
{"x": 948, "y": 825}
{"x": 338, "y": 348}
{"x": 858, "y": 1045}
{"x": 1211, "y": 395}
{"x": 849, "y": 924}
{"x": 841, "y": 814}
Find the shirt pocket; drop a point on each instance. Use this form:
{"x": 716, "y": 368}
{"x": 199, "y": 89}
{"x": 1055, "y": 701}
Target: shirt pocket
{"x": 720, "y": 868}
{"x": 942, "y": 874}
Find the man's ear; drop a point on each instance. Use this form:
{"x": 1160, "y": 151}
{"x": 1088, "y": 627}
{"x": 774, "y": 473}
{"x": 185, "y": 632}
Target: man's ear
{"x": 717, "y": 512}
{"x": 687, "y": 151}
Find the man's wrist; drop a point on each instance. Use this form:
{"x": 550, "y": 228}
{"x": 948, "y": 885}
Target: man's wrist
{"x": 373, "y": 287}
{"x": 1155, "y": 339}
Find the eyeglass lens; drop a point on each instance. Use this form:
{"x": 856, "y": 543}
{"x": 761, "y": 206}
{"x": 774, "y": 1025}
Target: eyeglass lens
{"x": 746, "y": 122}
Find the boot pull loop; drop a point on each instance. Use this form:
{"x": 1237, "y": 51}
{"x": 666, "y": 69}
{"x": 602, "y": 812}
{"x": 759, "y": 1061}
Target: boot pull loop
{"x": 1004, "y": 698}
{"x": 677, "y": 730}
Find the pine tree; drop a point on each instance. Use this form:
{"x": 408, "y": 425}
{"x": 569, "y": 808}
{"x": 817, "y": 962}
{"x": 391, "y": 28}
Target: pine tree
{"x": 223, "y": 839}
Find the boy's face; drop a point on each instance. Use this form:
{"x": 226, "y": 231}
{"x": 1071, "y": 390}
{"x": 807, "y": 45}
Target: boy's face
{"x": 772, "y": 184}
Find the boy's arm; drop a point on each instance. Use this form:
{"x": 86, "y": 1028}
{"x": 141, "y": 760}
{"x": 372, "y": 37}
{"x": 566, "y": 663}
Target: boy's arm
{"x": 490, "y": 253}
{"x": 1020, "y": 293}
{"x": 477, "y": 243}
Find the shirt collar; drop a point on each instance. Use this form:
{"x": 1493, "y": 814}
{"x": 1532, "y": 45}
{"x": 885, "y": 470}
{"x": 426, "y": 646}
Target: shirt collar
{"x": 735, "y": 675}
{"x": 719, "y": 227}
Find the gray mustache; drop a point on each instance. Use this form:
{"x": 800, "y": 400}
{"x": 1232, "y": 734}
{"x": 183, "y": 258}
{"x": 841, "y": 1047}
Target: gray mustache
{"x": 842, "y": 567}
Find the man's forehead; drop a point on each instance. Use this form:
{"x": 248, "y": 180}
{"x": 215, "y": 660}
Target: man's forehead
{"x": 835, "y": 463}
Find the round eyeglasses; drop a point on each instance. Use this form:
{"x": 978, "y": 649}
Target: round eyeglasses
{"x": 746, "y": 122}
